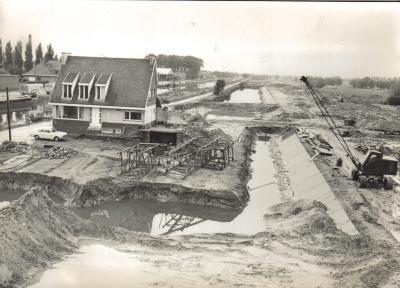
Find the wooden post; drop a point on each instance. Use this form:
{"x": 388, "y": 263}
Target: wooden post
{"x": 8, "y": 115}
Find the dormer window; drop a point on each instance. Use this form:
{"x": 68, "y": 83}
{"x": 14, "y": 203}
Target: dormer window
{"x": 83, "y": 92}
{"x": 67, "y": 90}
{"x": 102, "y": 85}
{"x": 85, "y": 85}
{"x": 68, "y": 85}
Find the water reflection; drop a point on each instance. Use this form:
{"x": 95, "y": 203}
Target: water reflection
{"x": 177, "y": 218}
{"x": 154, "y": 217}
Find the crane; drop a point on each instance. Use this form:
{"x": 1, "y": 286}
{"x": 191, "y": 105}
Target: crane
{"x": 374, "y": 168}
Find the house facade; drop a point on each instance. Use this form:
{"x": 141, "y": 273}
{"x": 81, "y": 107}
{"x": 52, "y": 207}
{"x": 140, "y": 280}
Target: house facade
{"x": 19, "y": 105}
{"x": 104, "y": 95}
{"x": 43, "y": 72}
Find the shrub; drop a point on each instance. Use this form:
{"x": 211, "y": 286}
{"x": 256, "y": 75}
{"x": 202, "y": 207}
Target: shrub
{"x": 393, "y": 100}
{"x": 219, "y": 86}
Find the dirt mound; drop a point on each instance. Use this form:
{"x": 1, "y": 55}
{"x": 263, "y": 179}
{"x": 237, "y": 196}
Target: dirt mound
{"x": 301, "y": 217}
{"x": 13, "y": 147}
{"x": 33, "y": 231}
{"x": 209, "y": 134}
{"x": 59, "y": 152}
{"x": 305, "y": 228}
{"x": 197, "y": 118}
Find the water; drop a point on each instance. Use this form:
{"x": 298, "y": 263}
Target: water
{"x": 6, "y": 196}
{"x": 245, "y": 96}
{"x": 97, "y": 266}
{"x": 226, "y": 117}
{"x": 206, "y": 85}
{"x": 4, "y": 204}
{"x": 127, "y": 269}
{"x": 177, "y": 218}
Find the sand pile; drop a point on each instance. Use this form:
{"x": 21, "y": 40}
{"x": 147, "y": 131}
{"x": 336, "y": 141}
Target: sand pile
{"x": 33, "y": 231}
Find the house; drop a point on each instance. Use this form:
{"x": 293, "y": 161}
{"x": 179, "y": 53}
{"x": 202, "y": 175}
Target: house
{"x": 8, "y": 80}
{"x": 19, "y": 105}
{"x": 43, "y": 72}
{"x": 104, "y": 95}
{"x": 165, "y": 75}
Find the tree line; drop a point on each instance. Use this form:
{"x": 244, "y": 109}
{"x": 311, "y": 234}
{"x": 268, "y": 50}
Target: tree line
{"x": 368, "y": 82}
{"x": 320, "y": 82}
{"x": 13, "y": 61}
{"x": 189, "y": 64}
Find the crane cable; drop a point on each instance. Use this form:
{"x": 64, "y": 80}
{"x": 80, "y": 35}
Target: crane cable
{"x": 332, "y": 125}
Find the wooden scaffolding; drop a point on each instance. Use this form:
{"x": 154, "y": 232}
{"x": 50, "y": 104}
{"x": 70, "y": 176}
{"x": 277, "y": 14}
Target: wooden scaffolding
{"x": 184, "y": 159}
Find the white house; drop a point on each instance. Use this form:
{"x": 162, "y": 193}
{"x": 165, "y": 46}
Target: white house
{"x": 104, "y": 95}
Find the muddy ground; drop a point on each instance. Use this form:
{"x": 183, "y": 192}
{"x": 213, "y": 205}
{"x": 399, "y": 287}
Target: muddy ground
{"x": 300, "y": 247}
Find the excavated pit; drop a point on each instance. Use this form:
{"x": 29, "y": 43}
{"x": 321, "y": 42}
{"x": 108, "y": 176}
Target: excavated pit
{"x": 111, "y": 204}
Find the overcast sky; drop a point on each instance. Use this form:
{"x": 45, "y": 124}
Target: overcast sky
{"x": 344, "y": 39}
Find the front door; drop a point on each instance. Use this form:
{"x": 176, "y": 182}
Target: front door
{"x": 95, "y": 119}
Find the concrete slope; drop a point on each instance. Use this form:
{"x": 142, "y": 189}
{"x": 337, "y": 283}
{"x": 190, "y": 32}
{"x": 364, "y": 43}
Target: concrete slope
{"x": 308, "y": 183}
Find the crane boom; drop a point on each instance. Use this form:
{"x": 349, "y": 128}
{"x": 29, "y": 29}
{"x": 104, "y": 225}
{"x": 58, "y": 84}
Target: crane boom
{"x": 329, "y": 120}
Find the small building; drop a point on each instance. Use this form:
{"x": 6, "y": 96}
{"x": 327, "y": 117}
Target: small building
{"x": 43, "y": 72}
{"x": 104, "y": 95}
{"x": 19, "y": 104}
{"x": 165, "y": 75}
{"x": 8, "y": 80}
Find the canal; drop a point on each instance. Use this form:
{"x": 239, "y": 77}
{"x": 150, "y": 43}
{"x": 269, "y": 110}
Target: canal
{"x": 121, "y": 269}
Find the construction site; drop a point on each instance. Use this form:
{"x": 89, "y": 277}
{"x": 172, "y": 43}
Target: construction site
{"x": 149, "y": 179}
{"x": 276, "y": 195}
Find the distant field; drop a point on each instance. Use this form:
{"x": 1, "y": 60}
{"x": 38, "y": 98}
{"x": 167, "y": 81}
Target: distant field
{"x": 356, "y": 95}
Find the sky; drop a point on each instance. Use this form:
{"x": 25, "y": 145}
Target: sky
{"x": 285, "y": 38}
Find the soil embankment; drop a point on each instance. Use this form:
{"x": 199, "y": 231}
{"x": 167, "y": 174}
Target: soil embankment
{"x": 108, "y": 189}
{"x": 301, "y": 247}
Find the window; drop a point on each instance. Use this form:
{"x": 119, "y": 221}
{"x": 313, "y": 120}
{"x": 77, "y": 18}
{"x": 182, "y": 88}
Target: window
{"x": 83, "y": 92}
{"x": 70, "y": 112}
{"x": 133, "y": 115}
{"x": 98, "y": 95}
{"x": 67, "y": 91}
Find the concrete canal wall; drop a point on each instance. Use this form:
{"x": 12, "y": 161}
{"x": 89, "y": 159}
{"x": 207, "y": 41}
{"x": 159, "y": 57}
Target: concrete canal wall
{"x": 307, "y": 182}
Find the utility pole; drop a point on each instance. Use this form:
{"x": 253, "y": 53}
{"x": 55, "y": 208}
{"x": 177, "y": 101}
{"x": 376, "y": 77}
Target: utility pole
{"x": 8, "y": 116}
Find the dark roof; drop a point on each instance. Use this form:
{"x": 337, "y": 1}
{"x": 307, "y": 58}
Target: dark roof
{"x": 54, "y": 65}
{"x": 103, "y": 79}
{"x": 51, "y": 67}
{"x": 129, "y": 82}
{"x": 71, "y": 76}
{"x": 86, "y": 78}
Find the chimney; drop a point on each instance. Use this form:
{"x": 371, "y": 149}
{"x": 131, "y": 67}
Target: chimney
{"x": 30, "y": 38}
{"x": 64, "y": 56}
{"x": 152, "y": 59}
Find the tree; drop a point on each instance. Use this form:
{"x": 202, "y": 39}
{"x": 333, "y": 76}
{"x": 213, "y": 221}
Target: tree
{"x": 28, "y": 57}
{"x": 394, "y": 99}
{"x": 49, "y": 53}
{"x": 219, "y": 86}
{"x": 189, "y": 64}
{"x": 1, "y": 53}
{"x": 8, "y": 61}
{"x": 38, "y": 54}
{"x": 18, "y": 60}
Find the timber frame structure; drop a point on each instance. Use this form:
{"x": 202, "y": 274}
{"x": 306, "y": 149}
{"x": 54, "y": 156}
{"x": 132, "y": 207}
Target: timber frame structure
{"x": 183, "y": 160}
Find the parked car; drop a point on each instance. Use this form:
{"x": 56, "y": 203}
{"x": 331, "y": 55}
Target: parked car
{"x": 49, "y": 133}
